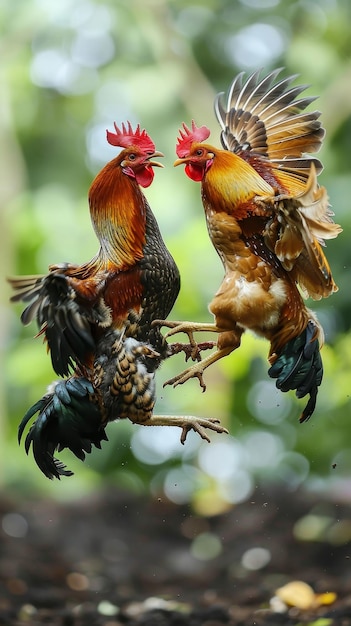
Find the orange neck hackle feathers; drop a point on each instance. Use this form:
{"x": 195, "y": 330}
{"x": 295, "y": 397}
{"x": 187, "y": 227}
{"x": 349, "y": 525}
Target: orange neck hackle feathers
{"x": 117, "y": 210}
{"x": 227, "y": 179}
{"x": 117, "y": 205}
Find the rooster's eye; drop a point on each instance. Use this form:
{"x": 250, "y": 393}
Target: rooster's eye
{"x": 132, "y": 157}
{"x": 199, "y": 152}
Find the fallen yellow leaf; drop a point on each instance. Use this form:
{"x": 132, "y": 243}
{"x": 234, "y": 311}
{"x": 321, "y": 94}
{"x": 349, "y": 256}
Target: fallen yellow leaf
{"x": 300, "y": 594}
{"x": 325, "y": 598}
{"x": 297, "y": 593}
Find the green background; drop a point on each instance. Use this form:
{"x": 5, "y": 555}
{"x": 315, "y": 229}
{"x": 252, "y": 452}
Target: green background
{"x": 69, "y": 70}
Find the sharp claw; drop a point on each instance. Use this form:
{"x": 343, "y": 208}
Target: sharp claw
{"x": 199, "y": 427}
{"x": 184, "y": 435}
{"x": 196, "y": 371}
{"x": 200, "y": 378}
{"x": 182, "y": 378}
{"x": 201, "y": 381}
{"x": 171, "y": 381}
{"x": 198, "y": 430}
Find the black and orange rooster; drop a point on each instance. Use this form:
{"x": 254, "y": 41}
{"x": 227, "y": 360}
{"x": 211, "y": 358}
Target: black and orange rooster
{"x": 267, "y": 218}
{"x": 96, "y": 318}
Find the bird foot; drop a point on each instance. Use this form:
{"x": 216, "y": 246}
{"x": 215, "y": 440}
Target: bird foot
{"x": 198, "y": 424}
{"x": 195, "y": 371}
{"x": 188, "y": 423}
{"x": 192, "y": 351}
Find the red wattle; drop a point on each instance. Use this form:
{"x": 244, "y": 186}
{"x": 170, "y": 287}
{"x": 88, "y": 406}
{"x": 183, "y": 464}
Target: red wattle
{"x": 195, "y": 172}
{"x": 145, "y": 177}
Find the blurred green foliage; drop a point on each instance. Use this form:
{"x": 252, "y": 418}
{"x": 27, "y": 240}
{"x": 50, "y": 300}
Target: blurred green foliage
{"x": 68, "y": 70}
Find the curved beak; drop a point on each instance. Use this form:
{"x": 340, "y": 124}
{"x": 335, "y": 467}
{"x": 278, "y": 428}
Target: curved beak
{"x": 155, "y": 163}
{"x": 180, "y": 162}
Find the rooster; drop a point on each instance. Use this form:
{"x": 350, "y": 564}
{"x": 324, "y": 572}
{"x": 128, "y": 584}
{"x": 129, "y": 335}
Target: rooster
{"x": 267, "y": 218}
{"x": 96, "y": 318}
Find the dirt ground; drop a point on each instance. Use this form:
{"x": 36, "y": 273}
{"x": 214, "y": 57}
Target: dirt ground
{"x": 116, "y": 559}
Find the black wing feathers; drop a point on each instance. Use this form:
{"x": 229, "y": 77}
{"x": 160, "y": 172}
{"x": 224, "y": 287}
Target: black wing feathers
{"x": 64, "y": 319}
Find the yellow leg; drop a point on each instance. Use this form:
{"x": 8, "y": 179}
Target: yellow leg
{"x": 228, "y": 341}
{"x": 186, "y": 327}
{"x": 189, "y": 328}
{"x": 197, "y": 370}
{"x": 187, "y": 423}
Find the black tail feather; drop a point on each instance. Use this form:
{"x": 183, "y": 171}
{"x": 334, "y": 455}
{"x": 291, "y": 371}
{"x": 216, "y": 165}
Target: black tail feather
{"x": 299, "y": 366}
{"x": 68, "y": 418}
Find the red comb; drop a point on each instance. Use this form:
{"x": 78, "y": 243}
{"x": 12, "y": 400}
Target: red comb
{"x": 188, "y": 137}
{"x": 128, "y": 137}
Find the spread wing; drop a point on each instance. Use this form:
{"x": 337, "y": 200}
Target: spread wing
{"x": 266, "y": 118}
{"x": 264, "y": 121}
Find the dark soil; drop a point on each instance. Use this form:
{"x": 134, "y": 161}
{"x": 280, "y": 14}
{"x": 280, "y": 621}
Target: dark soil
{"x": 116, "y": 559}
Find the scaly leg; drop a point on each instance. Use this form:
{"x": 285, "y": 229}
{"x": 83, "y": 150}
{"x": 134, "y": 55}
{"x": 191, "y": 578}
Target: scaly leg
{"x": 194, "y": 349}
{"x": 187, "y": 423}
{"x": 197, "y": 370}
{"x": 186, "y": 327}
{"x": 228, "y": 341}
